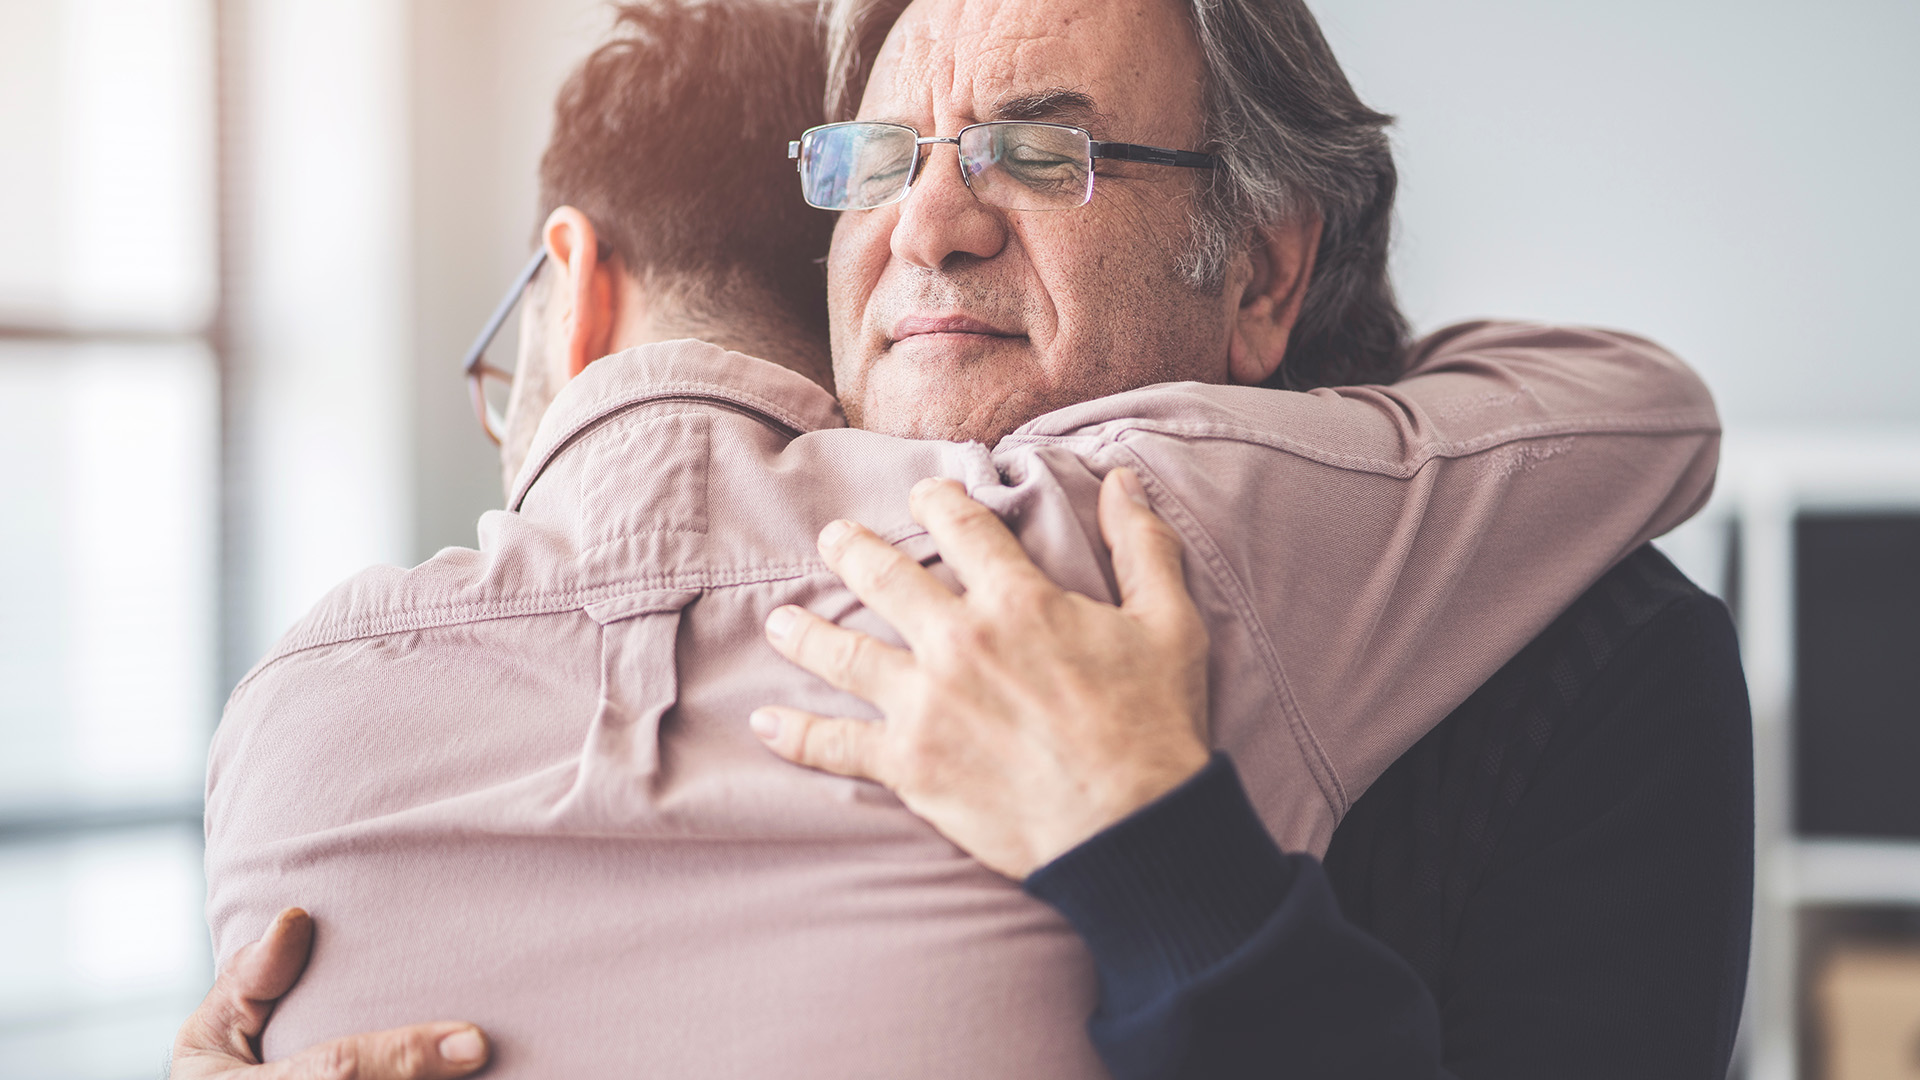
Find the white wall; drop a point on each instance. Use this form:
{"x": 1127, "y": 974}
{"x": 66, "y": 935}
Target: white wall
{"x": 485, "y": 73}
{"x": 386, "y": 187}
{"x": 322, "y": 300}
{"x": 1735, "y": 180}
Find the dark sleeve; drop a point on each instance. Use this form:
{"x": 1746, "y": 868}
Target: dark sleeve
{"x": 1606, "y": 937}
{"x": 1221, "y": 957}
{"x": 1609, "y": 933}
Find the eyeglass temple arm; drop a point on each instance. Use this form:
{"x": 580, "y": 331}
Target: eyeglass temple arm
{"x": 1153, "y": 155}
{"x": 507, "y": 302}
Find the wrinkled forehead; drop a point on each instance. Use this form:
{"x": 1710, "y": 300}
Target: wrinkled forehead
{"x": 948, "y": 63}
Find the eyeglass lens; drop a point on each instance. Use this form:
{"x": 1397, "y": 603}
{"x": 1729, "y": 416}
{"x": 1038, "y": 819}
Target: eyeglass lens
{"x": 856, "y": 166}
{"x": 496, "y": 386}
{"x": 1013, "y": 165}
{"x": 1028, "y": 166}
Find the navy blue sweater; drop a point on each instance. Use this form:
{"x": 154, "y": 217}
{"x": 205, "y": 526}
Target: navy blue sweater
{"x": 1556, "y": 881}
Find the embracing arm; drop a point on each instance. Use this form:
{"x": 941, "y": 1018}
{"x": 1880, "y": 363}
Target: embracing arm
{"x": 1617, "y": 899}
{"x": 1062, "y": 741}
{"x": 1367, "y": 556}
{"x": 1201, "y": 927}
{"x": 1622, "y": 889}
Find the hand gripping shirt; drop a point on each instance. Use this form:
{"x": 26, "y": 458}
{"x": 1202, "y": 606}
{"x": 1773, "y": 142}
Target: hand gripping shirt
{"x": 516, "y": 786}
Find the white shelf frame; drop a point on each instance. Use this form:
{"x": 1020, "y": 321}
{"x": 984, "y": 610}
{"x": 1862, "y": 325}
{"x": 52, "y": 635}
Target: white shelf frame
{"x": 1767, "y": 479}
{"x": 1842, "y": 872}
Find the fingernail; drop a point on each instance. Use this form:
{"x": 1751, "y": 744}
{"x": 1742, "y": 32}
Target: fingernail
{"x": 463, "y": 1047}
{"x": 834, "y": 533}
{"x": 924, "y": 486}
{"x": 764, "y": 723}
{"x": 780, "y": 623}
{"x": 278, "y": 925}
{"x": 1130, "y": 484}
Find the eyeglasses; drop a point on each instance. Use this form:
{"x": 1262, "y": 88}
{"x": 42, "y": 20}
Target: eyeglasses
{"x": 1011, "y": 164}
{"x": 488, "y": 385}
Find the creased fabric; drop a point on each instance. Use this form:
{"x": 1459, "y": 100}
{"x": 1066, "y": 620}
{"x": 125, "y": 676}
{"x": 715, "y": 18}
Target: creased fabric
{"x": 516, "y": 786}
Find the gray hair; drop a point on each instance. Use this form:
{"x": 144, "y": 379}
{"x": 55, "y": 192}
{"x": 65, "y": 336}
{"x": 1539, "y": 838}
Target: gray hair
{"x": 1292, "y": 138}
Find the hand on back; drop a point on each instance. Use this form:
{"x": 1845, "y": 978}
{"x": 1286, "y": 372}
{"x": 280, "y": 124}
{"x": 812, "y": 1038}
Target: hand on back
{"x": 219, "y": 1041}
{"x": 1021, "y": 719}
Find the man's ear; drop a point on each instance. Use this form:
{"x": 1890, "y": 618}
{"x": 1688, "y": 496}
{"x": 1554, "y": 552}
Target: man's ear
{"x": 581, "y": 302}
{"x": 1282, "y": 264}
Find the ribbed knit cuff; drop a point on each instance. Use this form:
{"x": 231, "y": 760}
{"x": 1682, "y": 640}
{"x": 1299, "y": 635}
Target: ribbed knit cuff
{"x": 1171, "y": 890}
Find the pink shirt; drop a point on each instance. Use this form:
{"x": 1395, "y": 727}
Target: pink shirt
{"x": 516, "y": 785}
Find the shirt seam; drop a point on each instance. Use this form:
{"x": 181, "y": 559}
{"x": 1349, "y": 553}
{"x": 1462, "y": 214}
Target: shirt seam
{"x": 1197, "y": 539}
{"x": 1405, "y": 466}
{"x": 408, "y": 620}
{"x": 360, "y": 626}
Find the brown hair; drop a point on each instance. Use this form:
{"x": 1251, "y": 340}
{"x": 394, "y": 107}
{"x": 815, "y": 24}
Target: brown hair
{"x": 1292, "y": 137}
{"x": 672, "y": 138}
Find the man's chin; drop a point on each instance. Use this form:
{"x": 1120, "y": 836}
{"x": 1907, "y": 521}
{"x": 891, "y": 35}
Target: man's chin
{"x": 944, "y": 412}
{"x": 973, "y": 390}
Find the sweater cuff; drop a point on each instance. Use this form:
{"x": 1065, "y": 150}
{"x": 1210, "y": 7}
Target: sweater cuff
{"x": 1171, "y": 890}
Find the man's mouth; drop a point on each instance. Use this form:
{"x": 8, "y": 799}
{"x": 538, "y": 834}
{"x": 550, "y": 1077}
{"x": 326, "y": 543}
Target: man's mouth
{"x": 924, "y": 325}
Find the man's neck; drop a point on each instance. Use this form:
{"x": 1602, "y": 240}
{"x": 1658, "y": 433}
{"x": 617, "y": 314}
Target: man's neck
{"x": 742, "y": 320}
{"x": 797, "y": 349}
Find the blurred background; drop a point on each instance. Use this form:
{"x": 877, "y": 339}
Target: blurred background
{"x": 243, "y": 244}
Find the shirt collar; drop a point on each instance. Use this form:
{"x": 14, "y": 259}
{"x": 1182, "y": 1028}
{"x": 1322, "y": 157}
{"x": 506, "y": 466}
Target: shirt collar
{"x": 667, "y": 370}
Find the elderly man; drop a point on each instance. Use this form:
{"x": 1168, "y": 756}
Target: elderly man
{"x": 954, "y": 317}
{"x": 1576, "y": 834}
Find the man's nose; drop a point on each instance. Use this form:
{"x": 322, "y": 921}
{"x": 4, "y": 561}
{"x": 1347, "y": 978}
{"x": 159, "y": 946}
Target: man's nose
{"x": 941, "y": 219}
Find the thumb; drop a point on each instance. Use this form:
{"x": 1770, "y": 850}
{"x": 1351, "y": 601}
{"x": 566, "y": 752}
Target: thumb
{"x": 838, "y": 745}
{"x": 236, "y": 1009}
{"x": 1146, "y": 550}
{"x": 266, "y": 969}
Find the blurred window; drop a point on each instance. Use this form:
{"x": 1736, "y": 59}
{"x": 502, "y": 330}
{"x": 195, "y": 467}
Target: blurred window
{"x": 109, "y": 393}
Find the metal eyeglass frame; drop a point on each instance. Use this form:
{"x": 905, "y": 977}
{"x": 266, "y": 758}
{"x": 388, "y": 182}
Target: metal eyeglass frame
{"x": 1096, "y": 150}
{"x": 475, "y": 365}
